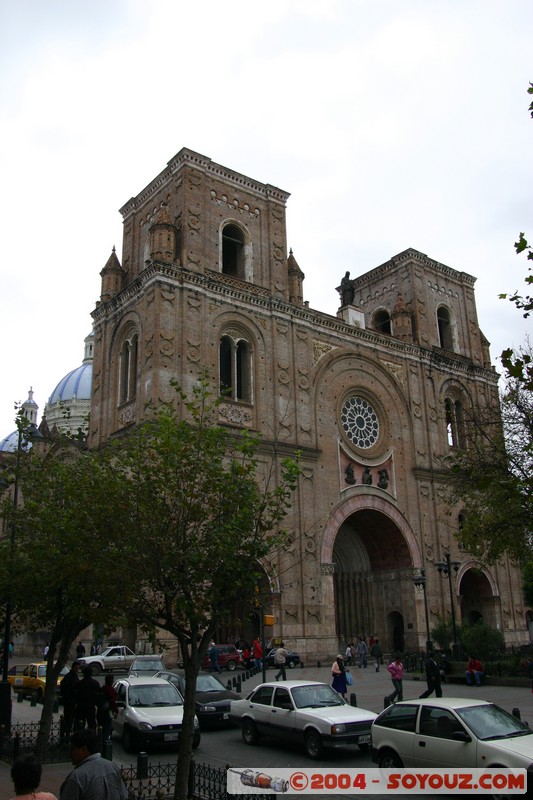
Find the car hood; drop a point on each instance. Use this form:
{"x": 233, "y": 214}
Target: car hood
{"x": 521, "y": 746}
{"x": 205, "y": 698}
{"x": 338, "y": 714}
{"x": 164, "y": 715}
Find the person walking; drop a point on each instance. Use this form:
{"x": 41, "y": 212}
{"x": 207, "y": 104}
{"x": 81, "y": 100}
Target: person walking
{"x": 396, "y": 672}
{"x": 338, "y": 673}
{"x": 258, "y": 653}
{"x": 67, "y": 691}
{"x": 26, "y": 776}
{"x": 93, "y": 776}
{"x": 80, "y": 650}
{"x": 362, "y": 652}
{"x": 377, "y": 653}
{"x": 433, "y": 678}
{"x": 280, "y": 659}
{"x": 87, "y": 691}
{"x": 213, "y": 658}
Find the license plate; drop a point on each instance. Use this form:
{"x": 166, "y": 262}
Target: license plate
{"x": 170, "y": 737}
{"x": 364, "y": 739}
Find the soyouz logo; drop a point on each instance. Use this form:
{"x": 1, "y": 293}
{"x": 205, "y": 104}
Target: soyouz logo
{"x": 254, "y": 780}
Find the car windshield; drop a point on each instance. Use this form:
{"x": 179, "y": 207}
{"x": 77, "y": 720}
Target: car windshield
{"x": 154, "y": 695}
{"x": 208, "y": 683}
{"x": 316, "y": 696}
{"x": 146, "y": 664}
{"x": 492, "y": 722}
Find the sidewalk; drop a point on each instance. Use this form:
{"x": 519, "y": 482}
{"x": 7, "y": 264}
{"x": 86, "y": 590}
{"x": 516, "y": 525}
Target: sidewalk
{"x": 370, "y": 688}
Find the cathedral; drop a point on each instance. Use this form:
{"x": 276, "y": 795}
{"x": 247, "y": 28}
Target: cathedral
{"x": 372, "y": 400}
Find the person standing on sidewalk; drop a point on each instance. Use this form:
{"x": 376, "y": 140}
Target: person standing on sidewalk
{"x": 396, "y": 672}
{"x": 93, "y": 777}
{"x": 280, "y": 659}
{"x": 377, "y": 653}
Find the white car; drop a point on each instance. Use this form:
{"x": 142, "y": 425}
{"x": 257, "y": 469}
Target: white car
{"x": 150, "y": 713}
{"x": 450, "y": 732}
{"x": 308, "y": 710}
{"x": 112, "y": 658}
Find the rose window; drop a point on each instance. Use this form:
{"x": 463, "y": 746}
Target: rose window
{"x": 360, "y": 422}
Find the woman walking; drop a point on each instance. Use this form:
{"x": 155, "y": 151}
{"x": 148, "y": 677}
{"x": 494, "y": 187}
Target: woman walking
{"x": 338, "y": 673}
{"x": 396, "y": 672}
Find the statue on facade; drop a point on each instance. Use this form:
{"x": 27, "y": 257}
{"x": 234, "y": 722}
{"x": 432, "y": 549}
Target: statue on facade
{"x": 383, "y": 480}
{"x": 367, "y": 476}
{"x": 347, "y": 291}
{"x": 349, "y": 475}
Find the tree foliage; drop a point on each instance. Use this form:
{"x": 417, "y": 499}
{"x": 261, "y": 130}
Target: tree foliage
{"x": 481, "y": 641}
{"x": 206, "y": 507}
{"x": 62, "y": 565}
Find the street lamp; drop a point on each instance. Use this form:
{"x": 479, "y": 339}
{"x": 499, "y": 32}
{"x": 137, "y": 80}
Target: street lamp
{"x": 445, "y": 568}
{"x": 420, "y": 580}
{"x": 27, "y": 431}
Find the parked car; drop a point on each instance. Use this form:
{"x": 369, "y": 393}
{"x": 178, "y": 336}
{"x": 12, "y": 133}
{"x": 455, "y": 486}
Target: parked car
{"x": 450, "y": 732}
{"x": 150, "y": 713}
{"x": 112, "y": 658}
{"x": 146, "y": 665}
{"x": 228, "y": 657}
{"x": 307, "y": 710}
{"x": 30, "y": 678}
{"x": 290, "y": 661}
{"x": 213, "y": 699}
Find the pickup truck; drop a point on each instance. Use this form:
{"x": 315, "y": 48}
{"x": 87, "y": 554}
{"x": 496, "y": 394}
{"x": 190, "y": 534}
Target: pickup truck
{"x": 118, "y": 657}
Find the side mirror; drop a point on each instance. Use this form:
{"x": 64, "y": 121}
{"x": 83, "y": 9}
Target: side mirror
{"x": 461, "y": 736}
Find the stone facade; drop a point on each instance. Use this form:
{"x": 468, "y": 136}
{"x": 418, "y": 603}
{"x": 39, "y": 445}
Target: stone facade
{"x": 372, "y": 399}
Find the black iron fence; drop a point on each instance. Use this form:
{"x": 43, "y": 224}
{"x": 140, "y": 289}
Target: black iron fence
{"x": 23, "y": 736}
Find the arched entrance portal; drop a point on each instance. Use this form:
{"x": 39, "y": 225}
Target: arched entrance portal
{"x": 478, "y": 597}
{"x": 373, "y": 585}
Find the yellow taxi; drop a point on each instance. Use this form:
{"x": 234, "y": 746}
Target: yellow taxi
{"x": 30, "y": 678}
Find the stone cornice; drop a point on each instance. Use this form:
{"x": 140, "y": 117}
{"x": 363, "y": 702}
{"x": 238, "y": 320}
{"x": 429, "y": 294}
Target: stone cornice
{"x": 412, "y": 256}
{"x": 224, "y": 286}
{"x": 190, "y": 158}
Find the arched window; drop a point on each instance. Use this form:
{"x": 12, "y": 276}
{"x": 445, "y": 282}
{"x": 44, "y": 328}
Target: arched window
{"x": 444, "y": 322}
{"x": 127, "y": 379}
{"x": 382, "y": 322}
{"x": 454, "y": 422}
{"x": 235, "y": 369}
{"x": 233, "y": 251}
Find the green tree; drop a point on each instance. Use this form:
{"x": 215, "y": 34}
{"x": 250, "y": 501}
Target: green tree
{"x": 206, "y": 507}
{"x": 481, "y": 641}
{"x": 62, "y": 565}
{"x": 442, "y": 633}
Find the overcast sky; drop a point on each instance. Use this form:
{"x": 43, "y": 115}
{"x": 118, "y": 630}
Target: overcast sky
{"x": 393, "y": 123}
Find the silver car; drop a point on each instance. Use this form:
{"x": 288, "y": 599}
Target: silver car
{"x": 307, "y": 710}
{"x": 150, "y": 714}
{"x": 450, "y": 732}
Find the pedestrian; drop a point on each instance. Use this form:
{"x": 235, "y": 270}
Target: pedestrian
{"x": 258, "y": 653}
{"x": 26, "y": 776}
{"x": 280, "y": 659}
{"x": 11, "y": 649}
{"x": 93, "y": 776}
{"x": 213, "y": 658}
{"x": 377, "y": 653}
{"x": 433, "y": 678}
{"x": 348, "y": 655}
{"x": 80, "y": 650}
{"x": 474, "y": 671}
{"x": 338, "y": 673}
{"x": 86, "y": 696}
{"x": 46, "y": 649}
{"x": 362, "y": 652}
{"x": 67, "y": 691}
{"x": 106, "y": 707}
{"x": 396, "y": 672}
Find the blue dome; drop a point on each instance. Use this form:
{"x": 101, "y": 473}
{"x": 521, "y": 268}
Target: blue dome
{"x": 74, "y": 386}
{"x": 10, "y": 443}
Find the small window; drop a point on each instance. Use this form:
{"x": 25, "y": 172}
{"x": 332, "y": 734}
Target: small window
{"x": 382, "y": 322}
{"x": 235, "y": 369}
{"x": 128, "y": 369}
{"x": 454, "y": 422}
{"x": 281, "y": 698}
{"x": 263, "y": 696}
{"x": 444, "y": 323}
{"x": 233, "y": 251}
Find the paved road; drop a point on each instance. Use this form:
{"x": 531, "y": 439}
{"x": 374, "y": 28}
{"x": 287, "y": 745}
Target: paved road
{"x": 221, "y": 748}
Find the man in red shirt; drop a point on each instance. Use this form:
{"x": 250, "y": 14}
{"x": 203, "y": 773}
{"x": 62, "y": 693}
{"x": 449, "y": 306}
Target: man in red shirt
{"x": 474, "y": 671}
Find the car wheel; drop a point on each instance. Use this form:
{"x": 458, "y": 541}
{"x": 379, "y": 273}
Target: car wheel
{"x": 313, "y": 745}
{"x": 292, "y": 664}
{"x": 95, "y": 669}
{"x": 389, "y": 760}
{"x": 249, "y": 732}
{"x": 230, "y": 666}
{"x": 128, "y": 740}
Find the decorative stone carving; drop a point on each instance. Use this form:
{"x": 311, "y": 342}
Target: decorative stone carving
{"x": 320, "y": 349}
{"x": 236, "y": 414}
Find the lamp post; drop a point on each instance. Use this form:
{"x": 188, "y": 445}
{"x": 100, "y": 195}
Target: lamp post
{"x": 445, "y": 568}
{"x": 420, "y": 581}
{"x": 26, "y": 432}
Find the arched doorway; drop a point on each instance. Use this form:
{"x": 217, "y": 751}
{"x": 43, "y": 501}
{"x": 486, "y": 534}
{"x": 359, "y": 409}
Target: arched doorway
{"x": 478, "y": 597}
{"x": 373, "y": 586}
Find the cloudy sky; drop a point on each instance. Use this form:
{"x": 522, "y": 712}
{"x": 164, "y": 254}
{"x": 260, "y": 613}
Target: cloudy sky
{"x": 393, "y": 123}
